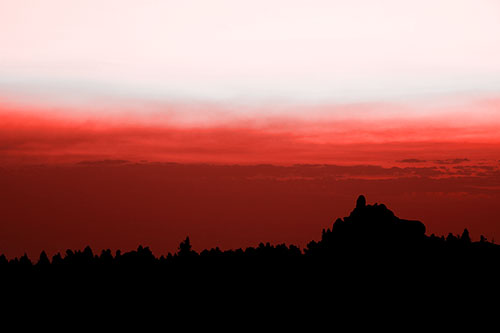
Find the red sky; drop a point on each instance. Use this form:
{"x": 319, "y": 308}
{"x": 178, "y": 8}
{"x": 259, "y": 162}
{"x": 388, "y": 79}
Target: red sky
{"x": 128, "y": 122}
{"x": 129, "y": 179}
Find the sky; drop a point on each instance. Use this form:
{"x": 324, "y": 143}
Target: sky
{"x": 397, "y": 99}
{"x": 249, "y": 52}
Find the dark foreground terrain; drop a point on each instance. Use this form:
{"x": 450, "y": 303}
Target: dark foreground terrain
{"x": 368, "y": 257}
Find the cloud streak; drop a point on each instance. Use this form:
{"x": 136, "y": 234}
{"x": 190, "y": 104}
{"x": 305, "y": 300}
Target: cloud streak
{"x": 42, "y": 136}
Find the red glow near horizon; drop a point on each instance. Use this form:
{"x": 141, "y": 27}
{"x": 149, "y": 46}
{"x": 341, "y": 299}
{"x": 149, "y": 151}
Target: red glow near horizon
{"x": 71, "y": 181}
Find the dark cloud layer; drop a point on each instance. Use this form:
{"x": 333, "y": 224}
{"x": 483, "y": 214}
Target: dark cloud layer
{"x": 452, "y": 161}
{"x": 412, "y": 160}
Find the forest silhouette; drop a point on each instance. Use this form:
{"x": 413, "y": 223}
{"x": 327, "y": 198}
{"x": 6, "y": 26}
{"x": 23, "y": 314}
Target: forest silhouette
{"x": 369, "y": 251}
{"x": 370, "y": 232}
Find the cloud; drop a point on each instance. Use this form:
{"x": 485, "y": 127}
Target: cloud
{"x": 41, "y": 137}
{"x": 104, "y": 162}
{"x": 452, "y": 161}
{"x": 411, "y": 160}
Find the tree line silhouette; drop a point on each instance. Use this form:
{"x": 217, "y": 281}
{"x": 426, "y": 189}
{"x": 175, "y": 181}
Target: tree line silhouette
{"x": 370, "y": 234}
{"x": 369, "y": 257}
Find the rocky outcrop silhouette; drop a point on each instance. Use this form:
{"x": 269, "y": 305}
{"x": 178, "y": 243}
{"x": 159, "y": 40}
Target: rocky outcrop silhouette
{"x": 368, "y": 230}
{"x": 374, "y": 224}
